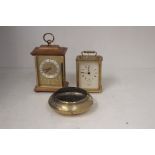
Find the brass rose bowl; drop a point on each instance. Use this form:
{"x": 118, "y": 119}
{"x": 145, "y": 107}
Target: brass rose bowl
{"x": 71, "y": 101}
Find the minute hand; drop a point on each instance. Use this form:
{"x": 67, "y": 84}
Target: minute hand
{"x": 84, "y": 72}
{"x": 88, "y": 69}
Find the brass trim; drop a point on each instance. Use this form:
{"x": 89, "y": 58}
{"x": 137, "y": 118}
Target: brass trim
{"x": 48, "y": 88}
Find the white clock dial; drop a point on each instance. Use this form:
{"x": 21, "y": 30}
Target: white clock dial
{"x": 49, "y": 68}
{"x": 89, "y": 75}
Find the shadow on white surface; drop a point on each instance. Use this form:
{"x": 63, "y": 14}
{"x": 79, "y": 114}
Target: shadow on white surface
{"x": 108, "y": 82}
{"x": 71, "y": 78}
{"x": 93, "y": 108}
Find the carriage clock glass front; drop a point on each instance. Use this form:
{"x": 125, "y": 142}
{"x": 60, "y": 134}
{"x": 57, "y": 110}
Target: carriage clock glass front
{"x": 50, "y": 65}
{"x": 89, "y": 71}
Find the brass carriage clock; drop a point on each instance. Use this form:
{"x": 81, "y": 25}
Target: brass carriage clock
{"x": 89, "y": 71}
{"x": 50, "y": 66}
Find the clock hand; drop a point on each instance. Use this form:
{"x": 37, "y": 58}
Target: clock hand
{"x": 84, "y": 72}
{"x": 47, "y": 69}
{"x": 88, "y": 69}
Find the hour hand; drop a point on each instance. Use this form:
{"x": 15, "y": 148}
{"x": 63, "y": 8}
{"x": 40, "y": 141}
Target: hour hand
{"x": 84, "y": 72}
{"x": 47, "y": 69}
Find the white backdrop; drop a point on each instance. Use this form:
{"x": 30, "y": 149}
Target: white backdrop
{"x": 130, "y": 47}
{"x": 128, "y": 76}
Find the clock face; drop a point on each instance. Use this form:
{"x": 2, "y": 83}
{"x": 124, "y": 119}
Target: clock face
{"x": 89, "y": 75}
{"x": 50, "y": 71}
{"x": 49, "y": 68}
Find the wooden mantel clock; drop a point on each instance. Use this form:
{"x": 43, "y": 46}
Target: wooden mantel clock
{"x": 50, "y": 66}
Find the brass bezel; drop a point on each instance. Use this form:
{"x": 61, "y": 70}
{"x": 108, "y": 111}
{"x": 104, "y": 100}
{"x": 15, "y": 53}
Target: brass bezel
{"x": 90, "y": 58}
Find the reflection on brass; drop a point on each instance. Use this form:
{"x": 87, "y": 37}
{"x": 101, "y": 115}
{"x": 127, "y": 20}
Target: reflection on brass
{"x": 71, "y": 101}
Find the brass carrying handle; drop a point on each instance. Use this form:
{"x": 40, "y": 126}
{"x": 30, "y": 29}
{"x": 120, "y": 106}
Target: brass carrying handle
{"x": 49, "y": 41}
{"x": 89, "y": 52}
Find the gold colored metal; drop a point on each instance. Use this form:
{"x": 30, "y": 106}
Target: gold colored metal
{"x": 71, "y": 101}
{"x": 50, "y": 81}
{"x": 90, "y": 57}
{"x": 88, "y": 52}
{"x": 49, "y": 41}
